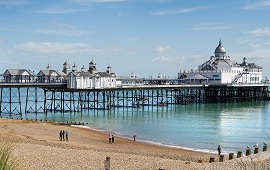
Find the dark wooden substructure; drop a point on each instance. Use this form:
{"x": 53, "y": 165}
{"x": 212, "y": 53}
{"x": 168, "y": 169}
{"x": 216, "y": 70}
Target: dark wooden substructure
{"x": 43, "y": 98}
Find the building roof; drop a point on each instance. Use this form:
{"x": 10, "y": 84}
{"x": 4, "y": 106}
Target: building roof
{"x": 249, "y": 65}
{"x": 224, "y": 62}
{"x": 196, "y": 77}
{"x": 215, "y": 63}
{"x": 84, "y": 74}
{"x": 50, "y": 73}
{"x": 253, "y": 65}
{"x": 220, "y": 48}
{"x": 15, "y": 72}
{"x": 104, "y": 74}
{"x": 88, "y": 74}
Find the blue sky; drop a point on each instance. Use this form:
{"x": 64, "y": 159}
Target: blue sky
{"x": 145, "y": 37}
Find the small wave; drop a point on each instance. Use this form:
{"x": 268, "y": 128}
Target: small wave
{"x": 129, "y": 137}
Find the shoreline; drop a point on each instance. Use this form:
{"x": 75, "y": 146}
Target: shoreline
{"x": 151, "y": 142}
{"x": 38, "y": 147}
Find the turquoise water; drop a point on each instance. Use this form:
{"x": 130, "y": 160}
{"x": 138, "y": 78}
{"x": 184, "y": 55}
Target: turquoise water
{"x": 196, "y": 126}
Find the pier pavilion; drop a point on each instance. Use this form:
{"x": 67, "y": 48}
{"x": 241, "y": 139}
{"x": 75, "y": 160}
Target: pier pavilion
{"x": 220, "y": 69}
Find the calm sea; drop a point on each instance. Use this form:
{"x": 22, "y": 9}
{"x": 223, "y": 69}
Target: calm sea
{"x": 196, "y": 126}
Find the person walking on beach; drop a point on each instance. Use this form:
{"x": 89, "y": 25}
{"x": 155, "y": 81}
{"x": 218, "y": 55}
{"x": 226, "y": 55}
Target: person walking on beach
{"x": 60, "y": 135}
{"x": 66, "y": 135}
{"x": 63, "y": 135}
{"x": 219, "y": 150}
{"x": 134, "y": 137}
{"x": 112, "y": 139}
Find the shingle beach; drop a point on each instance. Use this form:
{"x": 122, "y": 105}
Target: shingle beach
{"x": 37, "y": 146}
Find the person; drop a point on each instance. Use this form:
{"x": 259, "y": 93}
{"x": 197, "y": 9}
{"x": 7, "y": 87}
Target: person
{"x": 219, "y": 150}
{"x": 112, "y": 139}
{"x": 66, "y": 135}
{"x": 248, "y": 151}
{"x": 264, "y": 144}
{"x": 60, "y": 135}
{"x": 63, "y": 135}
{"x": 264, "y": 147}
{"x": 134, "y": 137}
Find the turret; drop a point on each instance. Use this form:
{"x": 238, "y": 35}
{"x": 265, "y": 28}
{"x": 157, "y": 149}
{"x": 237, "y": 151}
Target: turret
{"x": 220, "y": 52}
{"x": 109, "y": 69}
{"x": 66, "y": 68}
{"x": 92, "y": 67}
{"x": 74, "y": 68}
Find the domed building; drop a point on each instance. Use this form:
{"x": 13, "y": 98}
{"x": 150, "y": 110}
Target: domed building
{"x": 220, "y": 69}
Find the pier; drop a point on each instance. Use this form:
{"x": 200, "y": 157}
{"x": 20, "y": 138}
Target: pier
{"x": 17, "y": 98}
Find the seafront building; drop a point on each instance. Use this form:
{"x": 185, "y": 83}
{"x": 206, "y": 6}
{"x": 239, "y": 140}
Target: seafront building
{"x": 89, "y": 79}
{"x": 18, "y": 76}
{"x": 220, "y": 69}
{"x": 50, "y": 76}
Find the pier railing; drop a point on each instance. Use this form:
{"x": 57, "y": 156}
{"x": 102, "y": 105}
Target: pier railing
{"x": 18, "y": 98}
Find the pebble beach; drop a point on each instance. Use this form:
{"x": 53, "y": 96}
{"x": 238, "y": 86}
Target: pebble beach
{"x": 37, "y": 146}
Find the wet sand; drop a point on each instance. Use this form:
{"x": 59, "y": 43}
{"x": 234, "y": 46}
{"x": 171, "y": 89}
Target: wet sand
{"x": 37, "y": 146}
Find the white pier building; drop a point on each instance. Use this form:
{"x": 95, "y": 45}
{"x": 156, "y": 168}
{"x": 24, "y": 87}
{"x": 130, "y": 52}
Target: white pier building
{"x": 220, "y": 69}
{"x": 89, "y": 79}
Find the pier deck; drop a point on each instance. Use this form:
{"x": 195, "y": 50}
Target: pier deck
{"x": 17, "y": 98}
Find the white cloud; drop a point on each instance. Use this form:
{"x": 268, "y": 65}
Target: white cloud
{"x": 256, "y": 45}
{"x": 260, "y": 32}
{"x": 161, "y": 59}
{"x": 256, "y": 5}
{"x": 58, "y": 11}
{"x": 257, "y": 55}
{"x": 13, "y": 2}
{"x": 63, "y": 29}
{"x": 168, "y": 12}
{"x": 260, "y": 45}
{"x": 56, "y": 48}
{"x": 161, "y": 1}
{"x": 101, "y": 1}
{"x": 162, "y": 49}
{"x": 208, "y": 26}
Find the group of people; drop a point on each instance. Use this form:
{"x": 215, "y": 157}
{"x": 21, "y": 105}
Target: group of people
{"x": 63, "y": 134}
{"x": 111, "y": 139}
{"x": 247, "y": 149}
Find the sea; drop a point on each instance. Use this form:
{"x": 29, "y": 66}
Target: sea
{"x": 199, "y": 127}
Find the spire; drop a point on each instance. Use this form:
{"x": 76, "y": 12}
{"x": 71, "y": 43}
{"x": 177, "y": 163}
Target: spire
{"x": 220, "y": 44}
{"x": 74, "y": 68}
{"x": 83, "y": 69}
{"x": 109, "y": 69}
{"x": 48, "y": 67}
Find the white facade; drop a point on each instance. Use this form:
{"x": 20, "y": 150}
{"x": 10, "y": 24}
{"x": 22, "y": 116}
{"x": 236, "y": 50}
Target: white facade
{"x": 221, "y": 70}
{"x": 50, "y": 76}
{"x": 91, "y": 78}
{"x": 18, "y": 76}
{"x": 131, "y": 80}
